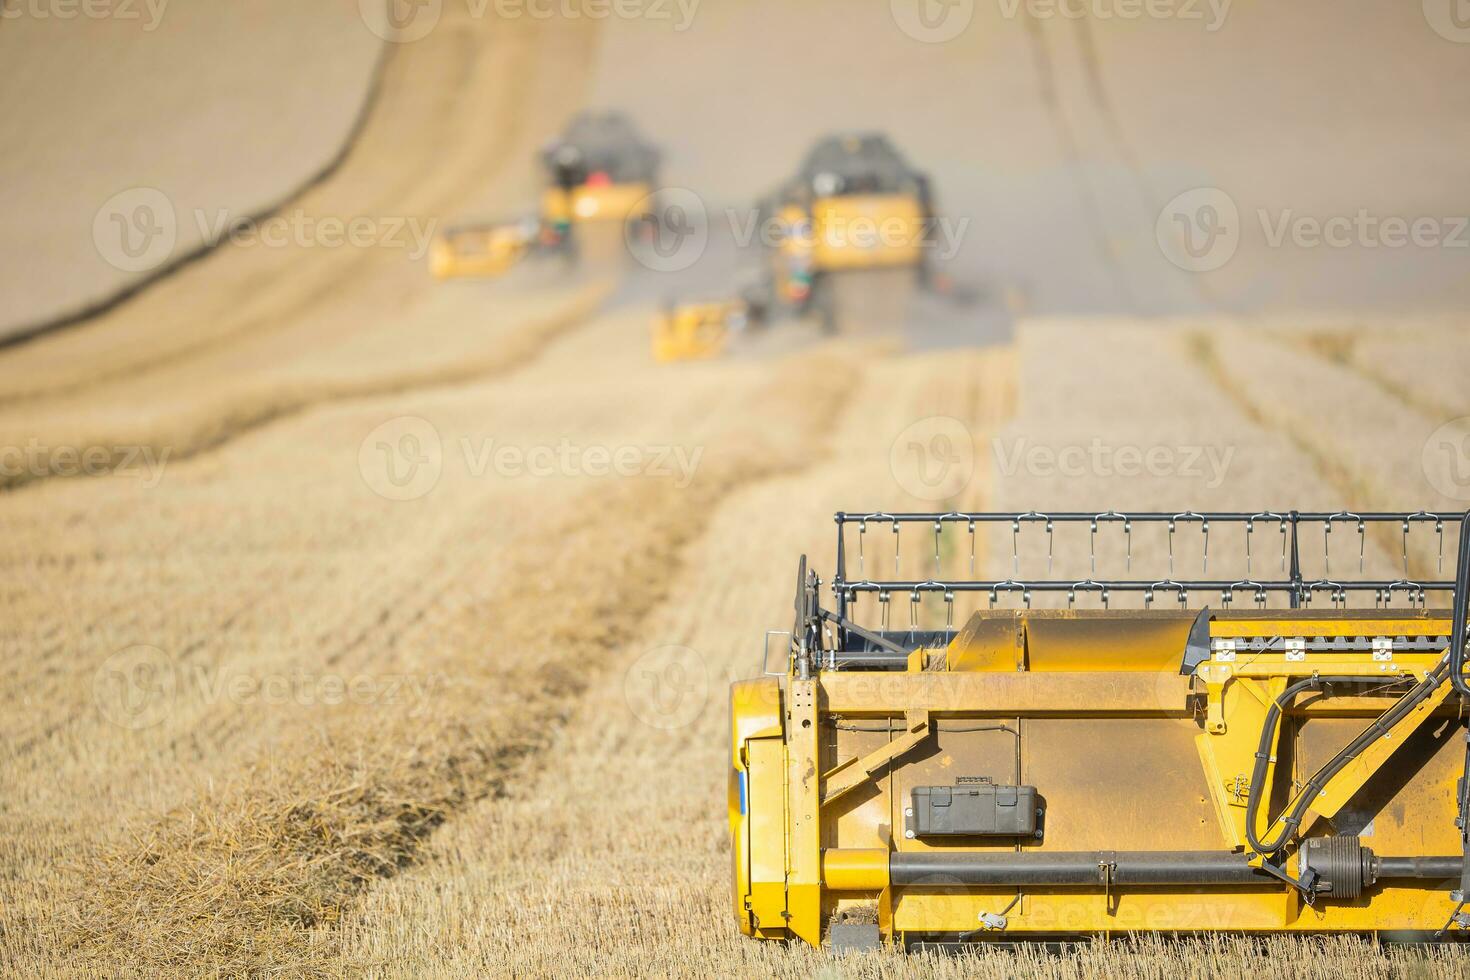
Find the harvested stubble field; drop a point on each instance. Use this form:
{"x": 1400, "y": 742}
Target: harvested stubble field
{"x": 411, "y": 737}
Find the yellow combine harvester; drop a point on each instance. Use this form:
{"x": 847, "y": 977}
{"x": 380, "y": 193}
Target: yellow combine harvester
{"x": 855, "y": 206}
{"x": 1043, "y": 773}
{"x": 600, "y": 171}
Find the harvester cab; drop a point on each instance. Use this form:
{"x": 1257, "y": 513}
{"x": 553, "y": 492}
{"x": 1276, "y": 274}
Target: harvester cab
{"x": 601, "y": 172}
{"x": 1254, "y": 734}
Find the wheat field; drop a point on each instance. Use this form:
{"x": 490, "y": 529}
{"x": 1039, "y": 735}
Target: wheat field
{"x": 275, "y": 706}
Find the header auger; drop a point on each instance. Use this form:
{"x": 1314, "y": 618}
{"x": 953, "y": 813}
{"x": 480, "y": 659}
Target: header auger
{"x": 1267, "y": 739}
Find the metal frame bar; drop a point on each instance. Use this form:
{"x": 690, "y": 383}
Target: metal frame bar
{"x": 1295, "y": 586}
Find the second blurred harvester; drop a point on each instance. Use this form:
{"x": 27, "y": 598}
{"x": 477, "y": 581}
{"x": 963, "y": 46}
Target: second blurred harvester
{"x": 601, "y": 170}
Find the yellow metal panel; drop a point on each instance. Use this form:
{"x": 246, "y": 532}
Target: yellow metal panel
{"x": 767, "y": 811}
{"x": 803, "y": 785}
{"x": 1119, "y": 784}
{"x": 1106, "y": 642}
{"x": 1014, "y": 693}
{"x": 861, "y": 231}
{"x": 1292, "y": 625}
{"x": 608, "y": 202}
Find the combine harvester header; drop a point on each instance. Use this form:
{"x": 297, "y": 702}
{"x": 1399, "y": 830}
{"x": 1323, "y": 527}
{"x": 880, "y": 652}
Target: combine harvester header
{"x": 1291, "y": 760}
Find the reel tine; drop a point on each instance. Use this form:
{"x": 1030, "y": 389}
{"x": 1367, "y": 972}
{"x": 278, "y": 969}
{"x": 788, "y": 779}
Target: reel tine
{"x": 1439, "y": 528}
{"x": 937, "y": 526}
{"x": 1171, "y": 547}
{"x": 972, "y": 548}
{"x": 1250, "y": 528}
{"x": 897, "y": 548}
{"x": 1406, "y": 547}
{"x": 1016, "y": 547}
{"x": 1092, "y": 548}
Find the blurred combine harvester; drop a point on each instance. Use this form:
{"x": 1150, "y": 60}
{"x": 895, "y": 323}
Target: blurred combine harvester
{"x": 601, "y": 171}
{"x": 855, "y": 208}
{"x": 1291, "y": 760}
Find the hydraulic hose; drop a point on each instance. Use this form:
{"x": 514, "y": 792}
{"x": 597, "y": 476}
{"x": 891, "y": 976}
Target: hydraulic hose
{"x": 1291, "y": 818}
{"x": 1461, "y": 600}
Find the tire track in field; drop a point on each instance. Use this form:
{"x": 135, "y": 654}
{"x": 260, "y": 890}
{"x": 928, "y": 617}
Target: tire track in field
{"x": 1102, "y": 101}
{"x": 571, "y": 860}
{"x": 1072, "y": 153}
{"x": 27, "y": 334}
{"x": 1339, "y": 348}
{"x": 352, "y": 799}
{"x": 521, "y": 348}
{"x": 1361, "y": 469}
{"x": 287, "y": 299}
